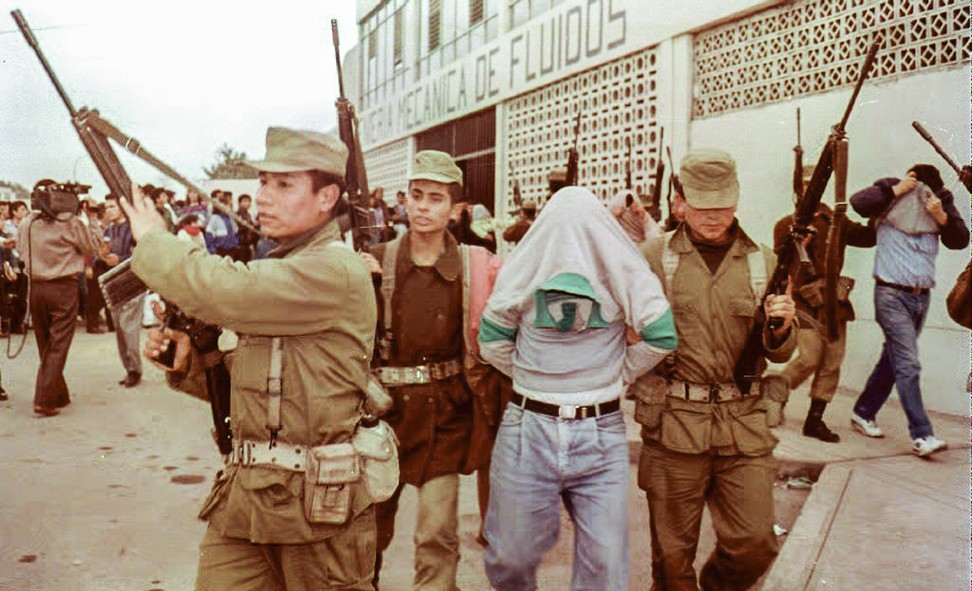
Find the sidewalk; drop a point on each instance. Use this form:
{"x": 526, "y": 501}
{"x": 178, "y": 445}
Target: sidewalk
{"x": 879, "y": 518}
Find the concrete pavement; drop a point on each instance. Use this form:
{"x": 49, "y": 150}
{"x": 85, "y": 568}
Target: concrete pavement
{"x": 104, "y": 496}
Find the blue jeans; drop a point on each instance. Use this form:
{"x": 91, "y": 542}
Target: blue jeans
{"x": 539, "y": 460}
{"x": 901, "y": 316}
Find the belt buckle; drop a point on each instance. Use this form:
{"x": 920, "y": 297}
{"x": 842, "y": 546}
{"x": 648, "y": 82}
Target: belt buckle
{"x": 713, "y": 392}
{"x": 916, "y": 291}
{"x": 422, "y": 374}
{"x": 567, "y": 412}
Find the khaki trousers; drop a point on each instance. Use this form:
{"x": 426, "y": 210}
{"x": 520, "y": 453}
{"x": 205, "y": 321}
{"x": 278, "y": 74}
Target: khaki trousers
{"x": 820, "y": 358}
{"x": 739, "y": 493}
{"x": 344, "y": 561}
{"x": 436, "y": 533}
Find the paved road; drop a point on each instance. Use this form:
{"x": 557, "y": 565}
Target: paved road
{"x": 104, "y": 496}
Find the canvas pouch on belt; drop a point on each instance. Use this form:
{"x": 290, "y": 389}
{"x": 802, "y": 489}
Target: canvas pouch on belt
{"x": 331, "y": 470}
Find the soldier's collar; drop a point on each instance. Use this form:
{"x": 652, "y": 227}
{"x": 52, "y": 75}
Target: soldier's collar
{"x": 325, "y": 229}
{"x": 447, "y": 266}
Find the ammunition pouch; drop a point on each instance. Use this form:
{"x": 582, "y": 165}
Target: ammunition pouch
{"x": 331, "y": 470}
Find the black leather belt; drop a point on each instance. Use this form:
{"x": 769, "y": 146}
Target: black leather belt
{"x": 566, "y": 412}
{"x": 911, "y": 290}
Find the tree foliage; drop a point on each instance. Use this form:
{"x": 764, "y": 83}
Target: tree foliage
{"x": 229, "y": 165}
{"x": 21, "y": 192}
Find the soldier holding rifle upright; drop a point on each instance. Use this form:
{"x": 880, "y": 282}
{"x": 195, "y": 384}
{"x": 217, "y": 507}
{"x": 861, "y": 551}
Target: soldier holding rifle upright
{"x": 289, "y": 512}
{"x": 706, "y": 440}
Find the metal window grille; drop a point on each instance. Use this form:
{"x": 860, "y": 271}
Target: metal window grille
{"x": 476, "y": 11}
{"x": 399, "y": 33}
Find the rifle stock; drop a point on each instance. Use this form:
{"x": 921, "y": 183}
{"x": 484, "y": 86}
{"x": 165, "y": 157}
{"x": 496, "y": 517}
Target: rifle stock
{"x": 745, "y": 370}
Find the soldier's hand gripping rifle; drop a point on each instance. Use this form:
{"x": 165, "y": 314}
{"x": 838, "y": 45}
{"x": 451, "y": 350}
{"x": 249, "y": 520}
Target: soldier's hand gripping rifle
{"x": 655, "y": 208}
{"x": 572, "y": 155}
{"x": 745, "y": 371}
{"x": 964, "y": 173}
{"x": 120, "y": 285}
{"x": 355, "y": 177}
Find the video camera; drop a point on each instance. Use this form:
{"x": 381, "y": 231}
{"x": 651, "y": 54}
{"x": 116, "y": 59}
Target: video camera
{"x": 54, "y": 199}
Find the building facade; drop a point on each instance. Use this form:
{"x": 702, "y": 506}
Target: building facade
{"x": 500, "y": 84}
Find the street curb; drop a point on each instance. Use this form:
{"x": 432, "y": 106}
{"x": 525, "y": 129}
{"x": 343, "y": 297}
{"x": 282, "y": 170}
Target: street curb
{"x": 796, "y": 561}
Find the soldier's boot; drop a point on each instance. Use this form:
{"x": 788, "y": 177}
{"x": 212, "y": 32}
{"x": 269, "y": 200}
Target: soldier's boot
{"x": 814, "y": 426}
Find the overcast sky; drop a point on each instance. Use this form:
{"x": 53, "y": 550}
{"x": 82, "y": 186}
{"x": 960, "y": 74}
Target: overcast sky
{"x": 182, "y": 77}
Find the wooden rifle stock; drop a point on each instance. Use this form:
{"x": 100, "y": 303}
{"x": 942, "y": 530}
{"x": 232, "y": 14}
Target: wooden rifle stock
{"x": 745, "y": 370}
{"x": 834, "y": 245}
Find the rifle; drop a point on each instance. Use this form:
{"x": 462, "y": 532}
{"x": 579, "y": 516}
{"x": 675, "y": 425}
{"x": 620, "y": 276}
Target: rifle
{"x": 572, "y": 155}
{"x": 517, "y": 196}
{"x": 964, "y": 173}
{"x": 798, "y": 162}
{"x": 673, "y": 184}
{"x": 745, "y": 370}
{"x": 355, "y": 176}
{"x": 834, "y": 244}
{"x": 121, "y": 285}
{"x": 655, "y": 208}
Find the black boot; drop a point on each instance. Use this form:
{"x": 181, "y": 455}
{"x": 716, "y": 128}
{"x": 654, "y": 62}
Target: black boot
{"x": 814, "y": 425}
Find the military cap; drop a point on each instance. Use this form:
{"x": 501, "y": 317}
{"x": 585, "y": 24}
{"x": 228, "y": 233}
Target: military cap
{"x": 708, "y": 178}
{"x": 529, "y": 206}
{"x": 296, "y": 150}
{"x": 433, "y": 165}
{"x": 557, "y": 175}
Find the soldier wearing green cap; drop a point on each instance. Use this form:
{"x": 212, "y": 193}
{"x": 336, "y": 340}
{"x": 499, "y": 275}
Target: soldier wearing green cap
{"x": 305, "y": 317}
{"x": 706, "y": 443}
{"x": 445, "y": 400}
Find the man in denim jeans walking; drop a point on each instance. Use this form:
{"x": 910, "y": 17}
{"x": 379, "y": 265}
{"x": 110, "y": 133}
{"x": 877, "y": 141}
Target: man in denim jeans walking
{"x": 912, "y": 214}
{"x": 572, "y": 328}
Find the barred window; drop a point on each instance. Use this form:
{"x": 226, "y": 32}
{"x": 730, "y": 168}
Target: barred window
{"x": 399, "y": 32}
{"x": 373, "y": 45}
{"x": 435, "y": 23}
{"x": 475, "y": 12}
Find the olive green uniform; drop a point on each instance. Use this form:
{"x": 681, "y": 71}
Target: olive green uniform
{"x": 716, "y": 452}
{"x": 317, "y": 296}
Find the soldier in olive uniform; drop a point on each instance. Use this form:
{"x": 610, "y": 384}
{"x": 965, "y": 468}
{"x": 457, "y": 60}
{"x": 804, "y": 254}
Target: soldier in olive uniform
{"x": 305, "y": 314}
{"x": 705, "y": 441}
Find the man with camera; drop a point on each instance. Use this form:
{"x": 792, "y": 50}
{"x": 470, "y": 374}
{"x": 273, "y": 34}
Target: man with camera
{"x": 53, "y": 242}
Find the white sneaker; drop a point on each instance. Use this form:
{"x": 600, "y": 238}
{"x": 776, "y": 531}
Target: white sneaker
{"x": 927, "y": 445}
{"x": 866, "y": 427}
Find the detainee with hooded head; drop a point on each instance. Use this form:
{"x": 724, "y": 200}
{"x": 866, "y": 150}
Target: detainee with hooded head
{"x": 705, "y": 441}
{"x": 575, "y": 316}
{"x": 305, "y": 317}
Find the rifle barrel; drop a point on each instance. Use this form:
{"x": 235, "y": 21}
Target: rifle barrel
{"x": 865, "y": 69}
{"x": 32, "y": 41}
{"x": 337, "y": 55}
{"x": 928, "y": 138}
